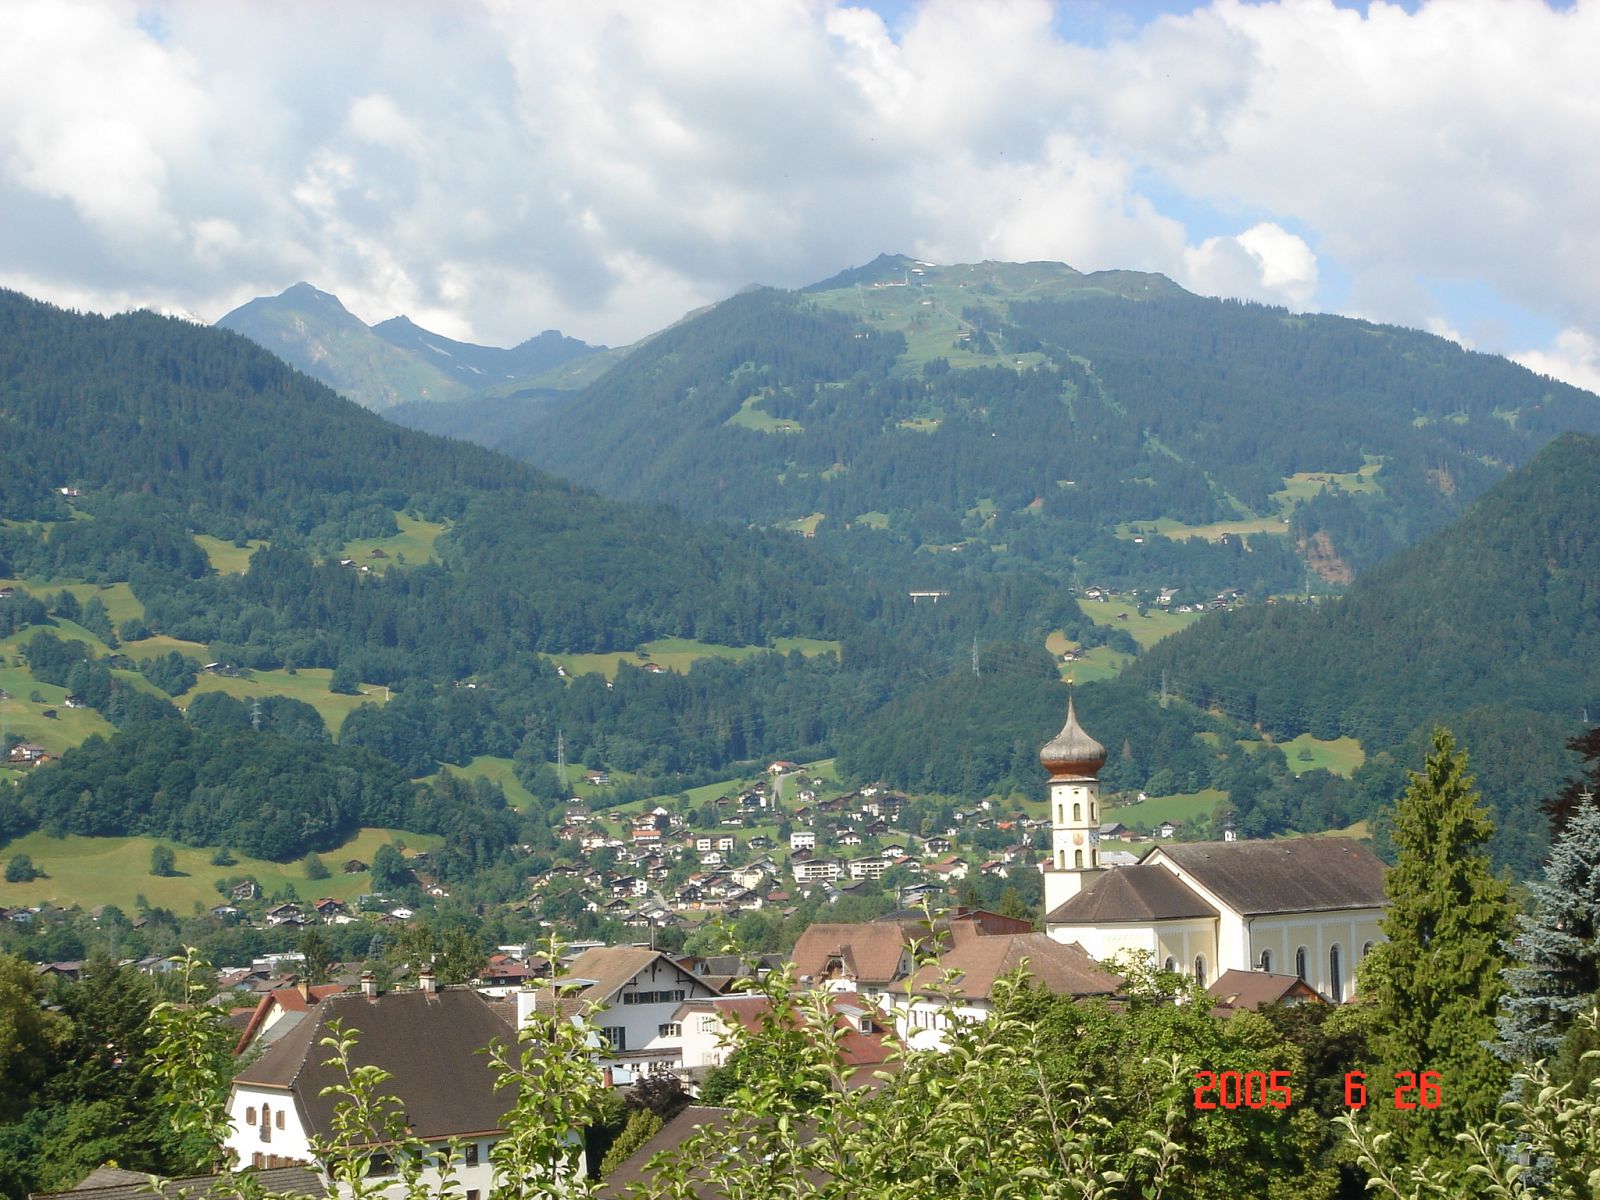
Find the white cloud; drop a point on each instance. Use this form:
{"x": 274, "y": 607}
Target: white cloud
{"x": 1574, "y": 357}
{"x": 602, "y": 165}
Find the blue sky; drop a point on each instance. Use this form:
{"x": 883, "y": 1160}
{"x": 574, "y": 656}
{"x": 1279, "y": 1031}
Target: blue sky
{"x": 602, "y": 166}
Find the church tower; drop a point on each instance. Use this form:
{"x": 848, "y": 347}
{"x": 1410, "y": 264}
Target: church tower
{"x": 1073, "y": 759}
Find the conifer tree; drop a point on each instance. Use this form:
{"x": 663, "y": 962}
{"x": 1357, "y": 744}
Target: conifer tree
{"x": 1558, "y": 956}
{"x": 1438, "y": 981}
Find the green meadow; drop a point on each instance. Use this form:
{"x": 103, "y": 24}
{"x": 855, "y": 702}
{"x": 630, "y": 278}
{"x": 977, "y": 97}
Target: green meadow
{"x": 309, "y": 684}
{"x": 680, "y": 654}
{"x": 1341, "y": 755}
{"x": 226, "y": 558}
{"x": 93, "y": 871}
{"x": 413, "y": 545}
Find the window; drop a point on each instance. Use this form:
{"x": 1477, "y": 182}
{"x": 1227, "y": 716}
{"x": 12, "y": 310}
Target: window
{"x": 1366, "y": 949}
{"x": 469, "y": 1154}
{"x": 472, "y": 1194}
{"x": 1077, "y": 858}
{"x": 1335, "y": 983}
{"x": 250, "y": 1115}
{"x": 381, "y": 1164}
{"x": 617, "y": 1036}
{"x": 279, "y": 1115}
{"x": 708, "y": 1024}
{"x": 1200, "y": 969}
{"x": 258, "y": 1159}
{"x": 1266, "y": 960}
{"x": 1077, "y": 813}
{"x": 1300, "y": 962}
{"x": 1092, "y": 817}
{"x": 669, "y": 1029}
{"x": 1170, "y": 965}
{"x": 1061, "y": 814}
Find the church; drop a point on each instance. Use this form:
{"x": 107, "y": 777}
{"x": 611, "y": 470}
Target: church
{"x": 1309, "y": 906}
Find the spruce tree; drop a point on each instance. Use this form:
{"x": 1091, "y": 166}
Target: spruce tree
{"x": 1558, "y": 958}
{"x": 1439, "y": 981}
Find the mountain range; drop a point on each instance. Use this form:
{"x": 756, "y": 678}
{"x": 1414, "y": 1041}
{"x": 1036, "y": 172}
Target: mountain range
{"x": 397, "y": 362}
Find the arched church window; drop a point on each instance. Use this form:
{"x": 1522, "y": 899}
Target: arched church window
{"x": 1335, "y": 983}
{"x": 1077, "y": 812}
{"x": 1366, "y": 949}
{"x": 1200, "y": 969}
{"x": 1061, "y": 814}
{"x": 1061, "y": 860}
{"x": 1266, "y": 960}
{"x": 1170, "y": 965}
{"x": 1092, "y": 817}
{"x": 1077, "y": 859}
{"x": 1300, "y": 962}
{"x": 1094, "y": 858}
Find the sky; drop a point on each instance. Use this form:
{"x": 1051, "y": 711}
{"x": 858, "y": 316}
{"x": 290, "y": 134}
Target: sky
{"x": 493, "y": 168}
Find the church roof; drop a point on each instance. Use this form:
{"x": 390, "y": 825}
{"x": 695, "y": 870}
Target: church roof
{"x": 1072, "y": 753}
{"x": 1309, "y": 874}
{"x": 1132, "y": 894}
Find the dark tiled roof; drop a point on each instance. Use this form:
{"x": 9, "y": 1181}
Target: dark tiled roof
{"x": 869, "y": 953}
{"x": 430, "y": 1043}
{"x": 1305, "y": 874}
{"x": 1061, "y": 968}
{"x": 111, "y": 1183}
{"x": 1132, "y": 894}
{"x": 742, "y": 1137}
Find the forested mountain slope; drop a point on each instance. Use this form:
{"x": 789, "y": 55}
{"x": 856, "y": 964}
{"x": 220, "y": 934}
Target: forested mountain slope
{"x": 1046, "y": 416}
{"x": 1501, "y": 608}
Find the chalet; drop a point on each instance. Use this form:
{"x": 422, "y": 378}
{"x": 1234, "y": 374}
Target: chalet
{"x": 950, "y": 868}
{"x": 283, "y": 914}
{"x": 1168, "y": 829}
{"x": 849, "y": 837}
{"x": 354, "y": 866}
{"x": 936, "y": 847}
{"x": 803, "y": 839}
{"x": 76, "y": 701}
{"x": 638, "y": 991}
{"x": 1113, "y": 831}
{"x": 651, "y": 668}
{"x": 597, "y": 778}
{"x": 6, "y": 593}
{"x": 328, "y": 908}
{"x": 247, "y": 889}
{"x": 430, "y": 1043}
{"x": 28, "y": 754}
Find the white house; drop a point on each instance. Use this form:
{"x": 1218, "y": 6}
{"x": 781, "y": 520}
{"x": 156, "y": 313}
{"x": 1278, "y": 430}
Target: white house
{"x": 429, "y": 1040}
{"x": 640, "y": 991}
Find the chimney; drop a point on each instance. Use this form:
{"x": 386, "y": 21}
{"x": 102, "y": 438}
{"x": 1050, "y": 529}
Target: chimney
{"x": 304, "y": 986}
{"x": 527, "y": 1003}
{"x": 426, "y": 982}
{"x": 369, "y": 985}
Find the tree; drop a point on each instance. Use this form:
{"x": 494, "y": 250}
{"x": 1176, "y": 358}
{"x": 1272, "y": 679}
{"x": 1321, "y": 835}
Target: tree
{"x": 21, "y": 869}
{"x": 162, "y": 861}
{"x": 344, "y": 682}
{"x": 389, "y": 870}
{"x": 1558, "y": 954}
{"x": 315, "y": 868}
{"x": 1437, "y": 980}
{"x": 318, "y": 956}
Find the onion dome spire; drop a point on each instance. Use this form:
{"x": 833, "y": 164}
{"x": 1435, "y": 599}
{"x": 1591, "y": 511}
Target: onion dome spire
{"x": 1072, "y": 753}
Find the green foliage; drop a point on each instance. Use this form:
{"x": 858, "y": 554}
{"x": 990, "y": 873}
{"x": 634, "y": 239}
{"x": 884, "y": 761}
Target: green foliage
{"x": 162, "y": 861}
{"x": 20, "y": 869}
{"x": 343, "y": 681}
{"x": 192, "y": 1058}
{"x": 314, "y": 867}
{"x": 1436, "y": 980}
{"x": 641, "y": 1127}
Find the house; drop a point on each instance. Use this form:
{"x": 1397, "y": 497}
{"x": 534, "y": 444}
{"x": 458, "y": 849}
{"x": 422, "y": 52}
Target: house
{"x": 1168, "y": 829}
{"x": 1249, "y": 991}
{"x": 710, "y": 1027}
{"x": 354, "y": 866}
{"x": 638, "y": 991}
{"x": 279, "y": 1010}
{"x": 76, "y": 701}
{"x": 429, "y": 1041}
{"x": 814, "y": 870}
{"x": 803, "y": 839}
{"x": 248, "y": 889}
{"x": 857, "y": 958}
{"x": 29, "y": 754}
{"x": 284, "y": 914}
{"x": 936, "y": 847}
{"x": 960, "y": 984}
{"x": 597, "y": 778}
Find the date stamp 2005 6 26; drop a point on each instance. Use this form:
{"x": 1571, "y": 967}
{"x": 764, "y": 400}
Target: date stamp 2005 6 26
{"x": 1274, "y": 1089}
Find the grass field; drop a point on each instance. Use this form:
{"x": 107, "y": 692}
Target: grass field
{"x": 226, "y": 558}
{"x": 93, "y": 871}
{"x": 806, "y": 525}
{"x": 309, "y": 684}
{"x": 414, "y": 544}
{"x": 680, "y": 654}
{"x": 1178, "y": 531}
{"x": 751, "y": 417}
{"x": 497, "y": 770}
{"x": 117, "y": 597}
{"x": 155, "y": 647}
{"x": 921, "y": 424}
{"x": 1306, "y": 484}
{"x": 1341, "y": 755}
{"x": 1184, "y": 806}
{"x": 1102, "y": 662}
{"x": 24, "y": 717}
{"x": 1146, "y": 630}
{"x": 873, "y": 520}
